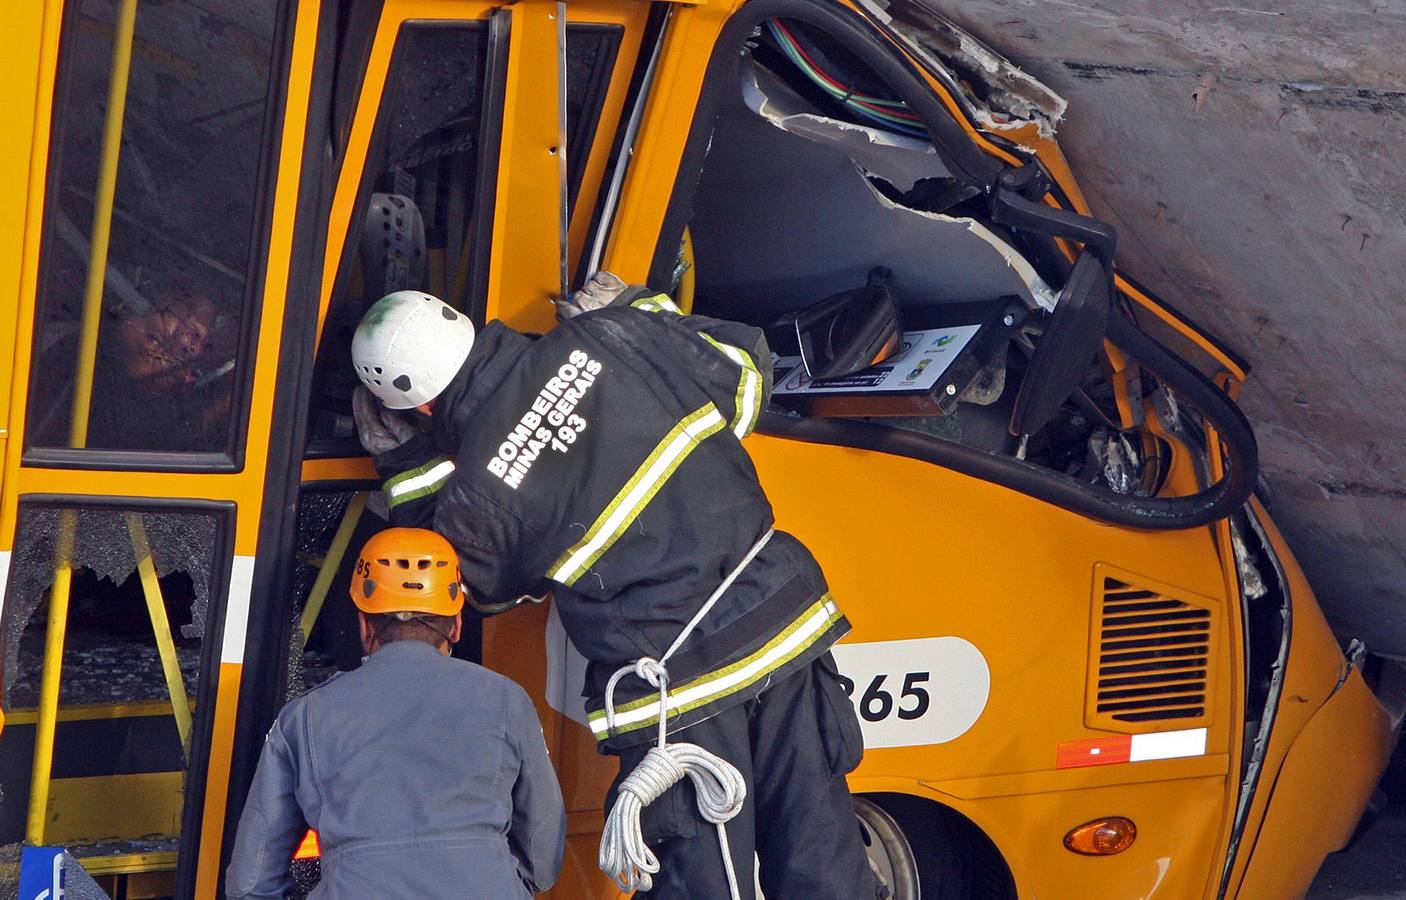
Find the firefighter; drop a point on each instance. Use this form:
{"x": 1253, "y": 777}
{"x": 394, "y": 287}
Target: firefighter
{"x": 423, "y": 775}
{"x": 603, "y": 461}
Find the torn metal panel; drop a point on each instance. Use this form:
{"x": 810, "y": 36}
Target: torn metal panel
{"x": 1036, "y": 291}
{"x": 827, "y": 225}
{"x": 898, "y": 159}
{"x": 995, "y": 93}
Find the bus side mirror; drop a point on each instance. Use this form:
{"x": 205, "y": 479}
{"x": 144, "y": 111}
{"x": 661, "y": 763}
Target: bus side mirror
{"x": 851, "y": 331}
{"x": 1072, "y": 337}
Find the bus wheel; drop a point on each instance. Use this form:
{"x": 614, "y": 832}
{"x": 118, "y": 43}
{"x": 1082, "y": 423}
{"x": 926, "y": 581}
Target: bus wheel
{"x": 912, "y": 848}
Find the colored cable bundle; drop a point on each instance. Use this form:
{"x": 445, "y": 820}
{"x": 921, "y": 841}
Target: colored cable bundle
{"x": 891, "y": 114}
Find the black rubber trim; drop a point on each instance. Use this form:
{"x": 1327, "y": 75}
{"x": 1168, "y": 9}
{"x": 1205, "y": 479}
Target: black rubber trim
{"x": 335, "y": 485}
{"x": 1189, "y": 322}
{"x": 129, "y": 460}
{"x": 1154, "y": 513}
{"x": 964, "y": 159}
{"x": 490, "y": 143}
{"x": 585, "y": 134}
{"x": 356, "y": 34}
{"x": 134, "y": 504}
{"x": 1251, "y": 782}
{"x": 202, "y": 732}
{"x": 268, "y": 625}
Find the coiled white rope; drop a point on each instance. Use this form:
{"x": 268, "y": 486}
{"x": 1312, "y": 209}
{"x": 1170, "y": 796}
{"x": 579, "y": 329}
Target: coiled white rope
{"x": 624, "y": 856}
{"x": 718, "y": 784}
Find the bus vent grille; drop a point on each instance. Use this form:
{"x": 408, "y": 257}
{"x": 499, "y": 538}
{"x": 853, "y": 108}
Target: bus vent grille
{"x": 1153, "y": 657}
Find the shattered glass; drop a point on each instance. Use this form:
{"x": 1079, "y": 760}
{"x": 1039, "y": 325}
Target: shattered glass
{"x": 109, "y": 653}
{"x": 319, "y": 514}
{"x": 78, "y": 884}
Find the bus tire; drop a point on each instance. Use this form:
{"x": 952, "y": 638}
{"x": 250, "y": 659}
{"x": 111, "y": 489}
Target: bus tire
{"x": 915, "y": 848}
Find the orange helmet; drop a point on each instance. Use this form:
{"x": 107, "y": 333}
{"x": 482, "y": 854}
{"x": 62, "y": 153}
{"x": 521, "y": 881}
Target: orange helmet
{"x": 408, "y": 571}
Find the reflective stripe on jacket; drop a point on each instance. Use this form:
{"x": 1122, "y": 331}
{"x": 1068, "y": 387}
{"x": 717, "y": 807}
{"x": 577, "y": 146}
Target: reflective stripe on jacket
{"x": 604, "y": 460}
{"x": 424, "y": 776}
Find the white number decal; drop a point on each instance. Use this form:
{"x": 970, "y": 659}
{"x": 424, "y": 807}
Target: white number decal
{"x": 908, "y": 693}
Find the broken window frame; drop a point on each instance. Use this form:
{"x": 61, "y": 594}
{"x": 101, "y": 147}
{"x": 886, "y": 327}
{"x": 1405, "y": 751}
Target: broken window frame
{"x": 198, "y": 753}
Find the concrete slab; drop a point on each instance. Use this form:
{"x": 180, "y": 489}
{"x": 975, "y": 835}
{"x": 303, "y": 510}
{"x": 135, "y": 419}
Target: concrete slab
{"x": 1275, "y": 214}
{"x": 1374, "y": 868}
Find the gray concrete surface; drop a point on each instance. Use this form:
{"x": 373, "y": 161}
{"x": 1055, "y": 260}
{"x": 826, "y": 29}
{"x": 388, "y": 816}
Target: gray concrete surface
{"x": 1275, "y": 215}
{"x": 1374, "y": 867}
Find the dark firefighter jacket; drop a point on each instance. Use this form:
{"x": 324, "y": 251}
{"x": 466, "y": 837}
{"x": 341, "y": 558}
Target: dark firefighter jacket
{"x": 451, "y": 795}
{"x": 606, "y": 457}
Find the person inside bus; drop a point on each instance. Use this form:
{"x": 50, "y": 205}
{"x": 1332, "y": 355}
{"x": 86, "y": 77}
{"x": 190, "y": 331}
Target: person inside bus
{"x": 423, "y": 775}
{"x": 163, "y": 378}
{"x": 603, "y": 461}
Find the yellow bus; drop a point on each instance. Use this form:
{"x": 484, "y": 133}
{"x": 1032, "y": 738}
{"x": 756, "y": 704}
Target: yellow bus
{"x": 1084, "y": 659}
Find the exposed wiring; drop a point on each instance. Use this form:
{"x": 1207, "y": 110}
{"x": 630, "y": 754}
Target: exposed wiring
{"x": 891, "y": 114}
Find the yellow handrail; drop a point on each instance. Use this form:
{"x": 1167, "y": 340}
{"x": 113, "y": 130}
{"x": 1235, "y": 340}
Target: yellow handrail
{"x": 161, "y": 627}
{"x": 78, "y": 424}
{"x": 102, "y": 222}
{"x": 49, "y": 680}
{"x": 331, "y": 562}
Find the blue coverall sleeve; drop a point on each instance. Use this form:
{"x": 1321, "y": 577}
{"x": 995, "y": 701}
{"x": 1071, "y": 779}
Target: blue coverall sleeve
{"x": 537, "y": 833}
{"x": 270, "y": 827}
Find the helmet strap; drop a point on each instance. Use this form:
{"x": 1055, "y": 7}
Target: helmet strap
{"x": 376, "y": 632}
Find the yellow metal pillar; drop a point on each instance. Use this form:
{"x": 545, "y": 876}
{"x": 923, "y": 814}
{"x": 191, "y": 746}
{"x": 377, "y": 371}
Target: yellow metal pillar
{"x": 161, "y": 627}
{"x": 687, "y": 277}
{"x": 331, "y": 563}
{"x": 78, "y": 424}
{"x": 102, "y": 221}
{"x": 49, "y": 680}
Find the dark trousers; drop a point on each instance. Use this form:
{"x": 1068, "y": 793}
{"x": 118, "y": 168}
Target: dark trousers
{"x": 793, "y": 743}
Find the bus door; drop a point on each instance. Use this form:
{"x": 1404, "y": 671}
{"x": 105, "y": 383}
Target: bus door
{"x": 456, "y": 132}
{"x": 159, "y": 176}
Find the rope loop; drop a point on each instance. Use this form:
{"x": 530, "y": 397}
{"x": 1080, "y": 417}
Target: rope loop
{"x": 717, "y": 783}
{"x": 720, "y": 790}
{"x": 651, "y": 670}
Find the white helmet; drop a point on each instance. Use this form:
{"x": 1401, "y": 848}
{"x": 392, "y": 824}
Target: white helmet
{"x": 409, "y": 346}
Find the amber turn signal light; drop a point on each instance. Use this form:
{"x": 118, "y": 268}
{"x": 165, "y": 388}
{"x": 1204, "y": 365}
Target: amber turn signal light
{"x": 1102, "y": 837}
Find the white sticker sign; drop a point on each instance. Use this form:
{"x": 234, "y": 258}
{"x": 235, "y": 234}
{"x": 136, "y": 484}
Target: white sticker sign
{"x": 923, "y": 358}
{"x": 910, "y": 693}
